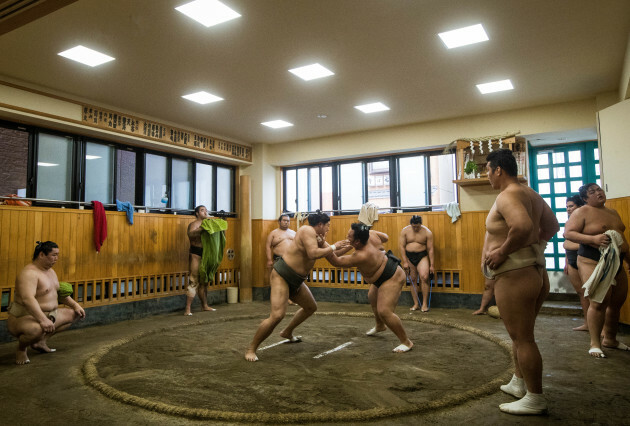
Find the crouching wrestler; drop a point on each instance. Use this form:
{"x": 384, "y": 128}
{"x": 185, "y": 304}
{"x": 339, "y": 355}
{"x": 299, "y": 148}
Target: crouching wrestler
{"x": 35, "y": 315}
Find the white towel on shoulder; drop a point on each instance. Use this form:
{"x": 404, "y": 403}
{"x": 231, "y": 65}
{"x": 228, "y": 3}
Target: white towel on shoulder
{"x": 596, "y": 287}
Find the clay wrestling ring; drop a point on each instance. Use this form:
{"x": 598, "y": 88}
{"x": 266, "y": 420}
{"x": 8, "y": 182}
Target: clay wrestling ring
{"x": 337, "y": 374}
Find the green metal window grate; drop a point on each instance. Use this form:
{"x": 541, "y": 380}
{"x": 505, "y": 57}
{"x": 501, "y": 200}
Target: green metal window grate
{"x": 558, "y": 172}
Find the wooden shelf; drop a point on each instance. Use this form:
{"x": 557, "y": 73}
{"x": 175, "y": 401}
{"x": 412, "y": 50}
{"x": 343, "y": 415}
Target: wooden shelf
{"x": 516, "y": 144}
{"x": 481, "y": 181}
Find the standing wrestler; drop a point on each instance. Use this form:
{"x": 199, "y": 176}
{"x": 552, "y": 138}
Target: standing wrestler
{"x": 416, "y": 247}
{"x": 288, "y": 276}
{"x": 590, "y": 227}
{"x": 34, "y": 315}
{"x": 278, "y": 241}
{"x": 382, "y": 270}
{"x": 196, "y": 253}
{"x": 571, "y": 267}
{"x": 517, "y": 229}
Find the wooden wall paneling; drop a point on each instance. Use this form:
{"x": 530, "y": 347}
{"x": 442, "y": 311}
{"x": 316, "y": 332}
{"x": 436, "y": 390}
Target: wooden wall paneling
{"x": 4, "y": 248}
{"x": 13, "y": 238}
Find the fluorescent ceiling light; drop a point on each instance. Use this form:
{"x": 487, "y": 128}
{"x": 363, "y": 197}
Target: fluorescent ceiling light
{"x": 202, "y": 97}
{"x": 311, "y": 72}
{"x": 92, "y": 157}
{"x": 208, "y": 12}
{"x": 464, "y": 36}
{"x": 375, "y": 107}
{"x": 495, "y": 86}
{"x": 277, "y": 124}
{"x": 47, "y": 164}
{"x": 86, "y": 56}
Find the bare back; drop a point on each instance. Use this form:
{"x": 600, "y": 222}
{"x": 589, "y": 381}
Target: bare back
{"x": 296, "y": 253}
{"x": 371, "y": 258}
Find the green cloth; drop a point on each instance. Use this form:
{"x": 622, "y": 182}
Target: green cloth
{"x": 65, "y": 290}
{"x": 213, "y": 242}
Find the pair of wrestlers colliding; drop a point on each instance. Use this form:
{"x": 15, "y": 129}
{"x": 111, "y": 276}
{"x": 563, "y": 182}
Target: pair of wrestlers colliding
{"x": 289, "y": 272}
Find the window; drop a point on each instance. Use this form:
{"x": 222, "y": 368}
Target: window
{"x": 156, "y": 191}
{"x": 308, "y": 188}
{"x": 203, "y": 186}
{"x": 126, "y": 175}
{"x": 54, "y": 167}
{"x": 378, "y": 183}
{"x": 99, "y": 171}
{"x": 412, "y": 181}
{"x": 558, "y": 172}
{"x": 182, "y": 172}
{"x": 409, "y": 181}
{"x": 14, "y": 143}
{"x": 442, "y": 171}
{"x": 225, "y": 197}
{"x": 350, "y": 186}
{"x": 68, "y": 170}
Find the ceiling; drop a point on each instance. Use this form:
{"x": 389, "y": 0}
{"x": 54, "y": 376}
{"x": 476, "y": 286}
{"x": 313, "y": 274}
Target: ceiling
{"x": 379, "y": 50}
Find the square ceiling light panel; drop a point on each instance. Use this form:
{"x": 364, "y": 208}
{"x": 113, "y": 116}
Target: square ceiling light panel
{"x": 311, "y": 72}
{"x": 86, "y": 56}
{"x": 208, "y": 12}
{"x": 202, "y": 97}
{"x": 464, "y": 36}
{"x": 277, "y": 124}
{"x": 495, "y": 86}
{"x": 374, "y": 107}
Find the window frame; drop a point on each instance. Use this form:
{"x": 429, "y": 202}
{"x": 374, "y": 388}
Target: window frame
{"x": 78, "y": 172}
{"x": 394, "y": 181}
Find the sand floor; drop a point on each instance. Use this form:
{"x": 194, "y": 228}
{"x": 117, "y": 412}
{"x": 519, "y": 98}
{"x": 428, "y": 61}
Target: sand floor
{"x": 135, "y": 372}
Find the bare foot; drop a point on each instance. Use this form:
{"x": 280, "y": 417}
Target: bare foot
{"x": 424, "y": 309}
{"x": 208, "y": 308}
{"x": 615, "y": 345}
{"x": 583, "y": 327}
{"x": 21, "y": 358}
{"x": 480, "y": 312}
{"x": 187, "y": 313}
{"x": 250, "y": 355}
{"x": 43, "y": 348}
{"x": 414, "y": 308}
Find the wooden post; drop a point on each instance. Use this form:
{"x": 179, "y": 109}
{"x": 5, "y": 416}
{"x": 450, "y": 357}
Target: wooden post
{"x": 245, "y": 284}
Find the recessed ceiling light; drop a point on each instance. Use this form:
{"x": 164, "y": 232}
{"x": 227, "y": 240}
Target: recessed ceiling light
{"x": 311, "y": 72}
{"x": 374, "y": 107}
{"x": 464, "y": 36}
{"x": 92, "y": 157}
{"x": 208, "y": 12}
{"x": 202, "y": 97}
{"x": 495, "y": 86}
{"x": 86, "y": 56}
{"x": 322, "y": 116}
{"x": 277, "y": 124}
{"x": 47, "y": 164}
